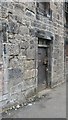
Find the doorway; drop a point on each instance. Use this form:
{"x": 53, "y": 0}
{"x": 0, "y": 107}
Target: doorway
{"x": 43, "y": 63}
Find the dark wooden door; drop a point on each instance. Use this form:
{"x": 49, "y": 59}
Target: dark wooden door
{"x": 42, "y": 67}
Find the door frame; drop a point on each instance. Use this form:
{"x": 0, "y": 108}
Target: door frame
{"x": 49, "y": 61}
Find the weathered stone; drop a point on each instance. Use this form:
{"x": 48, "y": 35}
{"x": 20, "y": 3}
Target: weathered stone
{"x": 15, "y": 73}
{"x": 21, "y": 97}
{"x": 19, "y": 6}
{"x": 19, "y": 19}
{"x": 30, "y": 53}
{"x": 29, "y": 74}
{"x": 23, "y": 52}
{"x": 1, "y": 85}
{"x": 32, "y": 32}
{"x": 13, "y": 49}
{"x": 5, "y": 88}
{"x": 3, "y": 104}
{"x": 13, "y": 27}
{"x": 5, "y": 97}
{"x": 36, "y": 23}
{"x": 30, "y": 92}
{"x": 29, "y": 83}
{"x": 16, "y": 89}
{"x": 24, "y": 45}
{"x": 10, "y": 36}
{"x": 19, "y": 38}
{"x": 31, "y": 6}
{"x": 30, "y": 13}
{"x": 23, "y": 30}
{"x": 0, "y": 27}
{"x": 4, "y": 12}
{"x": 1, "y": 52}
{"x": 29, "y": 64}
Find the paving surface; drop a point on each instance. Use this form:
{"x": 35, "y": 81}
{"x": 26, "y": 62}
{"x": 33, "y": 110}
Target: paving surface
{"x": 51, "y": 106}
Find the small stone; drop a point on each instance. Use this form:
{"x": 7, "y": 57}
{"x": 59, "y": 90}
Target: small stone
{"x": 9, "y": 113}
{"x": 24, "y": 104}
{"x": 18, "y": 106}
{"x": 11, "y": 101}
{"x": 32, "y": 100}
{"x": 30, "y": 104}
{"x": 42, "y": 96}
{"x": 6, "y": 112}
{"x": 13, "y": 107}
{"x": 39, "y": 96}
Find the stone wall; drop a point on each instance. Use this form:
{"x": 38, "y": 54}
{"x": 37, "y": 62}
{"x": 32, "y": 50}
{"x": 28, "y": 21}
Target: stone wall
{"x": 66, "y": 53}
{"x": 66, "y": 72}
{"x": 23, "y": 29}
{"x": 58, "y": 43}
{"x": 21, "y": 48}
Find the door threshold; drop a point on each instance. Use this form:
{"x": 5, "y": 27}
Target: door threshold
{"x": 42, "y": 87}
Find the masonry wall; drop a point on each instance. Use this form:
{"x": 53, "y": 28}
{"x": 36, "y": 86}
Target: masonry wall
{"x": 66, "y": 53}
{"x": 23, "y": 29}
{"x": 58, "y": 43}
{"x": 20, "y": 53}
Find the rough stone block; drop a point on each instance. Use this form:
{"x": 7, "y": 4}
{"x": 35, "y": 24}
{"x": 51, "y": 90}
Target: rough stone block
{"x": 0, "y": 26}
{"x": 29, "y": 64}
{"x": 19, "y": 37}
{"x": 30, "y": 92}
{"x": 5, "y": 97}
{"x": 29, "y": 74}
{"x": 32, "y": 32}
{"x": 1, "y": 85}
{"x": 30, "y": 13}
{"x": 22, "y": 52}
{"x": 30, "y": 53}
{"x": 10, "y": 36}
{"x": 4, "y": 12}
{"x": 31, "y": 6}
{"x": 5, "y": 88}
{"x": 24, "y": 45}
{"x": 14, "y": 73}
{"x": 23, "y": 30}
{"x": 13, "y": 49}
{"x": 21, "y": 97}
{"x": 19, "y": 6}
{"x": 13, "y": 98}
{"x": 16, "y": 89}
{"x": 28, "y": 83}
{"x": 3, "y": 104}
{"x": 13, "y": 27}
{"x": 18, "y": 19}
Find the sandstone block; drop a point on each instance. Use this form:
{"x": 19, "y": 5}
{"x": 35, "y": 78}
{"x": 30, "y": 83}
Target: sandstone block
{"x": 13, "y": 27}
{"x": 23, "y": 30}
{"x": 29, "y": 74}
{"x": 13, "y": 49}
{"x": 30, "y": 53}
{"x": 29, "y": 64}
